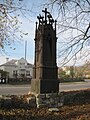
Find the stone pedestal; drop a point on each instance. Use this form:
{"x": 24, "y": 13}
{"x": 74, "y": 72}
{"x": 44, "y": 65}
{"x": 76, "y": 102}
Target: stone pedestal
{"x": 50, "y": 100}
{"x": 44, "y": 86}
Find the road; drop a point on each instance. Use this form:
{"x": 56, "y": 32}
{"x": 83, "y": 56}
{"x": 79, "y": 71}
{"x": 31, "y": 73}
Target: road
{"x": 24, "y": 89}
{"x": 74, "y": 86}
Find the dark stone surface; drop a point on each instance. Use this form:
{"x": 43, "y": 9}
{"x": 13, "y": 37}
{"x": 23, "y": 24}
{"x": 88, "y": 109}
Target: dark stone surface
{"x": 45, "y": 78}
{"x": 45, "y": 86}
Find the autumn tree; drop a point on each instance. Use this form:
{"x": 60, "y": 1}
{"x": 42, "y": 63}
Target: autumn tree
{"x": 10, "y": 12}
{"x": 72, "y": 72}
{"x": 61, "y": 73}
{"x": 73, "y": 20}
{"x": 3, "y": 74}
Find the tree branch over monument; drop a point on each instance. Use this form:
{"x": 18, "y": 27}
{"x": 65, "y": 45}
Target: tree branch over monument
{"x": 73, "y": 19}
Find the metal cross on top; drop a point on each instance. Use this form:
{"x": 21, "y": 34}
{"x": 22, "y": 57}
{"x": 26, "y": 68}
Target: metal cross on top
{"x": 45, "y": 11}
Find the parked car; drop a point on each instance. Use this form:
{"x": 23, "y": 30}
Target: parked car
{"x": 2, "y": 80}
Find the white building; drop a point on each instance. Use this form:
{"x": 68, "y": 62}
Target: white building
{"x": 18, "y": 68}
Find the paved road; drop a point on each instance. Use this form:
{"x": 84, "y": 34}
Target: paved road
{"x": 74, "y": 86}
{"x": 24, "y": 89}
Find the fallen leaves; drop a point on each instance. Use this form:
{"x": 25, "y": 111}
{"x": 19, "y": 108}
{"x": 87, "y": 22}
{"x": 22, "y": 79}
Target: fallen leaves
{"x": 67, "y": 112}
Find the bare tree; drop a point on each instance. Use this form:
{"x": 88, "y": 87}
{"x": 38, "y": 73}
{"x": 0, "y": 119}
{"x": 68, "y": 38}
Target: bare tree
{"x": 10, "y": 12}
{"x": 73, "y": 28}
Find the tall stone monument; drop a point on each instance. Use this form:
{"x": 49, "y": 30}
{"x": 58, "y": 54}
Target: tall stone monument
{"x": 45, "y": 78}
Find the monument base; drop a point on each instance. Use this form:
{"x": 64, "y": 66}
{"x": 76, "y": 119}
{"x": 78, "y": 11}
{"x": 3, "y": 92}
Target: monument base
{"x": 50, "y": 100}
{"x": 44, "y": 86}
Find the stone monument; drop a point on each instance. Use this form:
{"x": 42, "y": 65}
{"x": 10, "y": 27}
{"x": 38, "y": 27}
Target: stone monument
{"x": 45, "y": 77}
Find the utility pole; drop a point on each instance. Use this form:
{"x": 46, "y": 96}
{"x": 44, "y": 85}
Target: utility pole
{"x": 25, "y": 49}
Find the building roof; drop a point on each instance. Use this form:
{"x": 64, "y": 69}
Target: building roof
{"x": 13, "y": 63}
{"x": 9, "y": 63}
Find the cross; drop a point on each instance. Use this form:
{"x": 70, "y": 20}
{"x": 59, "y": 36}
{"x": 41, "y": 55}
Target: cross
{"x": 45, "y": 11}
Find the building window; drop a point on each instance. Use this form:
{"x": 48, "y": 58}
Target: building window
{"x": 23, "y": 70}
{"x": 27, "y": 73}
{"x": 22, "y": 75}
{"x": 22, "y": 63}
{"x": 15, "y": 73}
